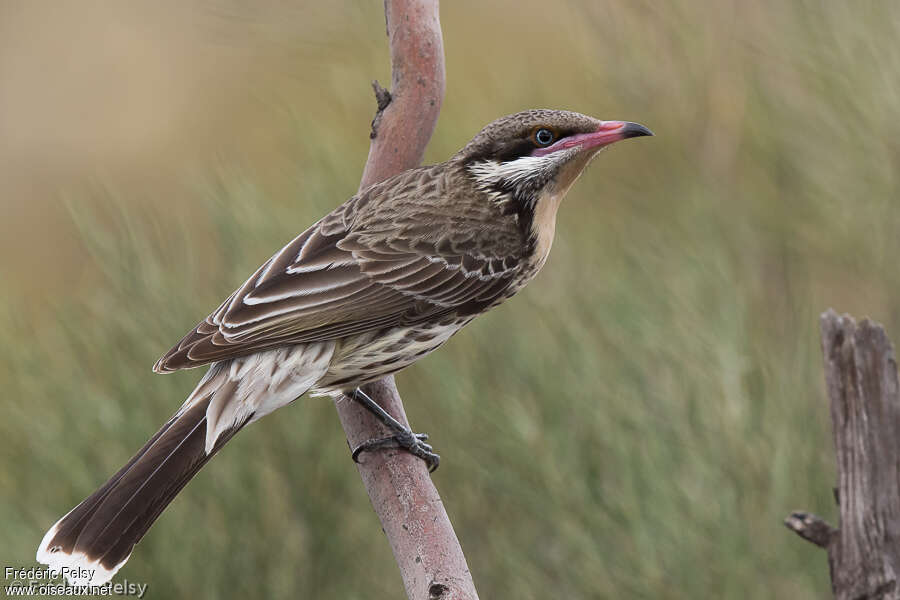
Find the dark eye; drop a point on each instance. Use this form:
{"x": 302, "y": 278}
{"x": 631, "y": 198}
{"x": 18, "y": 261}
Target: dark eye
{"x": 543, "y": 137}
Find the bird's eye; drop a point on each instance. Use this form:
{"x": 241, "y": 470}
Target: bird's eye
{"x": 543, "y": 137}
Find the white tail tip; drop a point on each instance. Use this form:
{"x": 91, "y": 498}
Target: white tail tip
{"x": 76, "y": 567}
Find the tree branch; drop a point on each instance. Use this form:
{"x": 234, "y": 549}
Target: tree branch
{"x": 412, "y": 515}
{"x": 407, "y": 115}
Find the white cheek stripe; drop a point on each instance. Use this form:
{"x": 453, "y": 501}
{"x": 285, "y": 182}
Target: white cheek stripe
{"x": 489, "y": 172}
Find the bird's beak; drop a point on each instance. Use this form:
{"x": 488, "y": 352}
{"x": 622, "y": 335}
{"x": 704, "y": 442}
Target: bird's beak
{"x": 607, "y": 133}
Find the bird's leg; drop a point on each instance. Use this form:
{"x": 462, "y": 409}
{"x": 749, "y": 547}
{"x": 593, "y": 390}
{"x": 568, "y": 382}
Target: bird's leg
{"x": 403, "y": 437}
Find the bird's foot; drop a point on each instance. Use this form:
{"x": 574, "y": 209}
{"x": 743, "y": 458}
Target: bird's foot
{"x": 414, "y": 443}
{"x": 403, "y": 437}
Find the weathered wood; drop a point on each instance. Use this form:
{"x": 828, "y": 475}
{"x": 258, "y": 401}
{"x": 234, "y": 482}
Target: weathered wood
{"x": 412, "y": 515}
{"x": 811, "y": 528}
{"x": 862, "y": 383}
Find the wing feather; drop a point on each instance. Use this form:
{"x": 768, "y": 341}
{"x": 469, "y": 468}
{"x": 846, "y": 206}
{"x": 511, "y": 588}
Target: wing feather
{"x": 345, "y": 276}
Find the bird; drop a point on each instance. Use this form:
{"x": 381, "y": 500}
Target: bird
{"x": 376, "y": 284}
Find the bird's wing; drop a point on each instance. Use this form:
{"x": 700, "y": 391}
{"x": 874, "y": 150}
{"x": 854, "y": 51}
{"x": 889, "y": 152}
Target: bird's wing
{"x": 345, "y": 276}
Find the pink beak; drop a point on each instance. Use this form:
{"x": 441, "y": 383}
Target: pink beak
{"x": 607, "y": 133}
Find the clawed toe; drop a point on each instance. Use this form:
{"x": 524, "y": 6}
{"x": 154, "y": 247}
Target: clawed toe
{"x": 403, "y": 437}
{"x": 414, "y": 443}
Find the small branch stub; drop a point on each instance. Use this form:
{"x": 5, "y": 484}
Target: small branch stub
{"x": 811, "y": 528}
{"x": 864, "y": 394}
{"x": 382, "y": 98}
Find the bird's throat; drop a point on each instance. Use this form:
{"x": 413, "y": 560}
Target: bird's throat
{"x": 543, "y": 225}
{"x": 546, "y": 205}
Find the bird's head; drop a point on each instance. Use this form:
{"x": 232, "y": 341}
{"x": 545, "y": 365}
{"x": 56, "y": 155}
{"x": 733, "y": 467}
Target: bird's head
{"x": 521, "y": 158}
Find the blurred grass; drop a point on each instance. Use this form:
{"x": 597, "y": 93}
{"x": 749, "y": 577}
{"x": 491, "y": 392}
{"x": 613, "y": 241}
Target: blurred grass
{"x": 635, "y": 424}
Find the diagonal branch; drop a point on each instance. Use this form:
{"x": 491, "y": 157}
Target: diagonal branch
{"x": 412, "y": 515}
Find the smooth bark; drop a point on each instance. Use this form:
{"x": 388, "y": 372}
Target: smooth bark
{"x": 412, "y": 515}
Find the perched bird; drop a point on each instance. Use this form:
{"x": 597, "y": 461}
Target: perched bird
{"x": 375, "y": 285}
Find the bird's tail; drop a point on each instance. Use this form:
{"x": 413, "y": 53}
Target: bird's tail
{"x": 94, "y": 539}
{"x": 90, "y": 543}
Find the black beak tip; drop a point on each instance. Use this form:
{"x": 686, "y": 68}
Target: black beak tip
{"x": 635, "y": 130}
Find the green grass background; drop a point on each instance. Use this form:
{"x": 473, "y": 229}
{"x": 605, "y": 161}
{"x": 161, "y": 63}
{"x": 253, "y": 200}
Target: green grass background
{"x": 636, "y": 424}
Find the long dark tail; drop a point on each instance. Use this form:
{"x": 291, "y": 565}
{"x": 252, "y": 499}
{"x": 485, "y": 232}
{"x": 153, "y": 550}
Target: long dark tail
{"x": 100, "y": 533}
